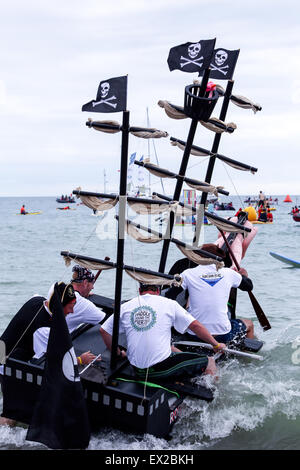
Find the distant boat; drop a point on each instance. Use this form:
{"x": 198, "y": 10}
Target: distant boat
{"x": 296, "y": 217}
{"x": 68, "y": 200}
{"x": 224, "y": 206}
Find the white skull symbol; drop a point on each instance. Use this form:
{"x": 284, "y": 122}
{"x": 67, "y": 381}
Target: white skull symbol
{"x": 193, "y": 50}
{"x": 104, "y": 89}
{"x": 221, "y": 57}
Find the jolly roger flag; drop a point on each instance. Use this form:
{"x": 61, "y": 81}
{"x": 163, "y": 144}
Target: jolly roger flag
{"x": 111, "y": 97}
{"x": 60, "y": 419}
{"x": 223, "y": 64}
{"x": 191, "y": 56}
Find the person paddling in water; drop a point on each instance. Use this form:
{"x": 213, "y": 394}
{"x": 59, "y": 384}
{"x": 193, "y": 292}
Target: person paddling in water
{"x": 209, "y": 289}
{"x": 147, "y": 321}
{"x": 23, "y": 211}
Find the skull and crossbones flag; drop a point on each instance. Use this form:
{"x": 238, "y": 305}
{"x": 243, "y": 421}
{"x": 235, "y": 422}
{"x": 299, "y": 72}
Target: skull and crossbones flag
{"x": 222, "y": 64}
{"x": 111, "y": 97}
{"x": 191, "y": 56}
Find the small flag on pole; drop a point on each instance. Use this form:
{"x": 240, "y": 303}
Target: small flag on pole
{"x": 222, "y": 64}
{"x": 191, "y": 56}
{"x": 132, "y": 158}
{"x": 111, "y": 97}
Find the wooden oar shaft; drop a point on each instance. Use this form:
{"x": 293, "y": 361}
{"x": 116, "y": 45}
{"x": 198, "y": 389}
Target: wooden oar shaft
{"x": 264, "y": 322}
{"x": 227, "y": 350}
{"x": 107, "y": 258}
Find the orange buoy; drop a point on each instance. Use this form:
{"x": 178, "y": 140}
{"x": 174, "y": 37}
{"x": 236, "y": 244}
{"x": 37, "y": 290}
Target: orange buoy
{"x": 287, "y": 199}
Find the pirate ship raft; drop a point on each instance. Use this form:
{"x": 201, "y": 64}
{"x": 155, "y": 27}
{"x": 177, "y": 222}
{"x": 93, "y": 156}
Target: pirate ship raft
{"x": 113, "y": 395}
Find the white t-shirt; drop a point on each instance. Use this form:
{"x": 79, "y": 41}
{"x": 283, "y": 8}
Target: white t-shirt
{"x": 147, "y": 321}
{"x": 84, "y": 312}
{"x": 209, "y": 291}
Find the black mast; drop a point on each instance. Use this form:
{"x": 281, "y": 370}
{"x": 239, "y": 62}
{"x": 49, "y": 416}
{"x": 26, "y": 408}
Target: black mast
{"x": 182, "y": 171}
{"x": 216, "y": 142}
{"x": 121, "y": 235}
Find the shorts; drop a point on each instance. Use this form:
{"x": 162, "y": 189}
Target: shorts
{"x": 178, "y": 364}
{"x": 238, "y": 329}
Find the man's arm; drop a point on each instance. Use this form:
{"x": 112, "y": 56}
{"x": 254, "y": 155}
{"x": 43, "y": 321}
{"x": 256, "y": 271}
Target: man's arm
{"x": 107, "y": 338}
{"x": 246, "y": 283}
{"x": 205, "y": 335}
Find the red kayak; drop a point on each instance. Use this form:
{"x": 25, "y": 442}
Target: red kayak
{"x": 296, "y": 217}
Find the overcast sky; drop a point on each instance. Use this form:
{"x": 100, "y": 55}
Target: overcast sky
{"x": 54, "y": 54}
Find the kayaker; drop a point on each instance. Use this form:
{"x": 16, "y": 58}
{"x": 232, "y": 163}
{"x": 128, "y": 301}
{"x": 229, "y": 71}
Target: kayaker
{"x": 262, "y": 214}
{"x": 23, "y": 211}
{"x": 147, "y": 321}
{"x": 269, "y": 215}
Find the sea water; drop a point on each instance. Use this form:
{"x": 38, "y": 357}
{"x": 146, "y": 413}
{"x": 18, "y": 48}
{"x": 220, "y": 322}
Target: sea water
{"x": 257, "y": 403}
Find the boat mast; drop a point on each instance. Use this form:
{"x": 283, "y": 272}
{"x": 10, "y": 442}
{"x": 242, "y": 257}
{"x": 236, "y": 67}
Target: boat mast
{"x": 216, "y": 142}
{"x": 121, "y": 236}
{"x": 104, "y": 180}
{"x": 182, "y": 171}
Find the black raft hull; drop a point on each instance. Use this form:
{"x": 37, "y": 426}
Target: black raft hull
{"x": 113, "y": 399}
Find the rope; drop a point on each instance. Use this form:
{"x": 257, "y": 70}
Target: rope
{"x": 110, "y": 123}
{"x": 150, "y": 134}
{"x": 218, "y": 126}
{"x": 150, "y": 385}
{"x": 171, "y": 111}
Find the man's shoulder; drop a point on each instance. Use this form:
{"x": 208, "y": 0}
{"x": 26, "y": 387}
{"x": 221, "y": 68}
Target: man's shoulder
{"x": 81, "y": 299}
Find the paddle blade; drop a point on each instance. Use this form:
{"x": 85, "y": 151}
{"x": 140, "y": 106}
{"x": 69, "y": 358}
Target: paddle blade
{"x": 264, "y": 322}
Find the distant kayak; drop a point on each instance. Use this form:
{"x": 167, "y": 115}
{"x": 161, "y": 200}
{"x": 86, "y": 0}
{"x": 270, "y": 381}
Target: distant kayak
{"x": 66, "y": 209}
{"x": 290, "y": 262}
{"x": 31, "y": 213}
{"x": 260, "y": 222}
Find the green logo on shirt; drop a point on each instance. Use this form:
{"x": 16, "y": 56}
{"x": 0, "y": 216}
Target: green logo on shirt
{"x": 143, "y": 318}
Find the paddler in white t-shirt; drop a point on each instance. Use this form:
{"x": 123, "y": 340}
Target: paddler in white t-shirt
{"x": 209, "y": 289}
{"x": 147, "y": 321}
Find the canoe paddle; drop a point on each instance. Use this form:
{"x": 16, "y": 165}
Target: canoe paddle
{"x": 264, "y": 322}
{"x": 235, "y": 352}
{"x": 107, "y": 258}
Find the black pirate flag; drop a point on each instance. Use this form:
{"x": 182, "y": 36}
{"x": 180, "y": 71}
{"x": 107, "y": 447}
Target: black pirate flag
{"x": 223, "y": 64}
{"x": 111, "y": 97}
{"x": 191, "y": 56}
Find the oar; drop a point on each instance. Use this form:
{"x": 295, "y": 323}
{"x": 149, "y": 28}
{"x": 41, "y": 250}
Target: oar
{"x": 97, "y": 358}
{"x": 107, "y": 258}
{"x": 264, "y": 322}
{"x": 227, "y": 350}
{"x": 2, "y": 352}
